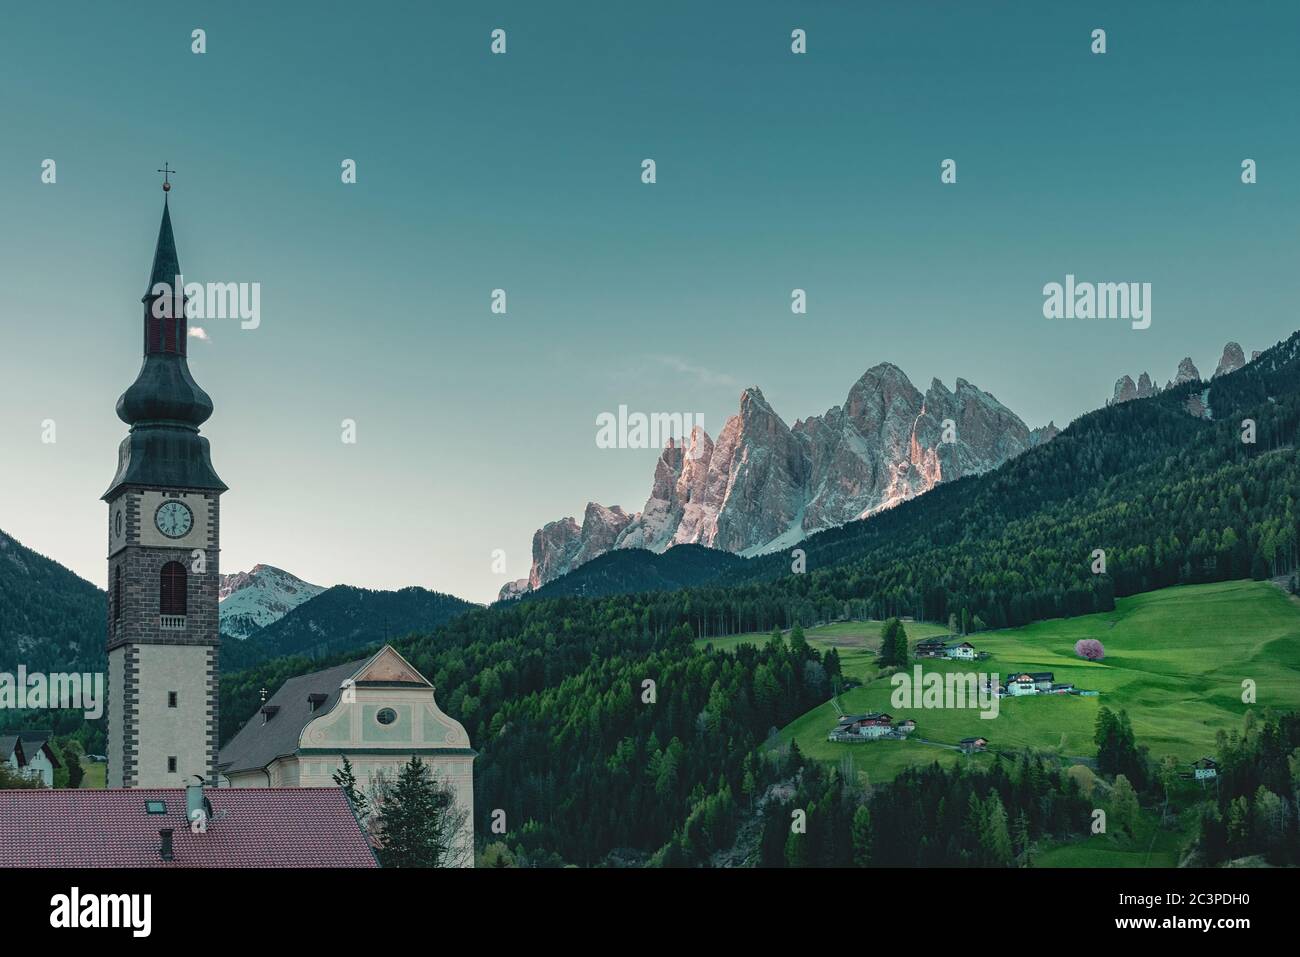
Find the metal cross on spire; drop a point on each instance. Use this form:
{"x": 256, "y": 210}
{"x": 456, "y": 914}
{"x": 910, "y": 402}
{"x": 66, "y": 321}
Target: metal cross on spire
{"x": 166, "y": 171}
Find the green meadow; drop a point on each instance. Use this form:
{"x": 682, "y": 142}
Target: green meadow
{"x": 857, "y": 642}
{"x": 93, "y": 773}
{"x": 1176, "y": 661}
{"x": 1153, "y": 845}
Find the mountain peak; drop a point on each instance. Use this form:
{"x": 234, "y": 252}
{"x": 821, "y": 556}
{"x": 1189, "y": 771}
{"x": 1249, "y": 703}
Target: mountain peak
{"x": 1187, "y": 371}
{"x": 936, "y": 385}
{"x": 251, "y": 600}
{"x": 762, "y": 485}
{"x": 883, "y": 371}
{"x": 1233, "y": 359}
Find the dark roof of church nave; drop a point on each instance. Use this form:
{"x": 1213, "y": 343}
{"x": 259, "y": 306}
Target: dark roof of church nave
{"x": 257, "y": 744}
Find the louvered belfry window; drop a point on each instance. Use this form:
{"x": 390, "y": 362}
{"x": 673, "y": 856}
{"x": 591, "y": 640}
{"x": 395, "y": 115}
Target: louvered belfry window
{"x": 169, "y": 334}
{"x": 172, "y": 594}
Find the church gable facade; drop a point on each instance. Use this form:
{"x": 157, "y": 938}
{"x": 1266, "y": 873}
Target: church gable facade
{"x": 378, "y": 713}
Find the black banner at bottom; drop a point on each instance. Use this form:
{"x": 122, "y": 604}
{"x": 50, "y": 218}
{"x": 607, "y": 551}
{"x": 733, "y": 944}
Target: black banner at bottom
{"x": 180, "y": 906}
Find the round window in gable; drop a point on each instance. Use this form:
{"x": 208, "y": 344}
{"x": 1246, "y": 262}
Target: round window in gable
{"x": 386, "y": 716}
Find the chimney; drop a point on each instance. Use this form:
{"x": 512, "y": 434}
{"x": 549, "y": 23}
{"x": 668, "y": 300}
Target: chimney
{"x": 165, "y": 848}
{"x": 198, "y": 810}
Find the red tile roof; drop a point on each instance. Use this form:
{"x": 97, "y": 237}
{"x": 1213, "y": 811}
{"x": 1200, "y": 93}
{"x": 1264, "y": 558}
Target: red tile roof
{"x": 250, "y": 827}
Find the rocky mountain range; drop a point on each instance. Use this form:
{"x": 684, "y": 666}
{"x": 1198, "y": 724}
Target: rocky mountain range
{"x": 251, "y": 600}
{"x": 1126, "y": 389}
{"x": 763, "y": 485}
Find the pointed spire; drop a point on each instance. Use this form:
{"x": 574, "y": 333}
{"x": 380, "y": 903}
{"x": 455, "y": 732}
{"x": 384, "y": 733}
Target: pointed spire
{"x": 164, "y": 406}
{"x": 166, "y": 264}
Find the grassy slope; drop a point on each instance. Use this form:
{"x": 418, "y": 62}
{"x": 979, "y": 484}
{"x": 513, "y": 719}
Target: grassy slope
{"x": 1152, "y": 846}
{"x": 95, "y": 773}
{"x": 858, "y": 642}
{"x": 1175, "y": 659}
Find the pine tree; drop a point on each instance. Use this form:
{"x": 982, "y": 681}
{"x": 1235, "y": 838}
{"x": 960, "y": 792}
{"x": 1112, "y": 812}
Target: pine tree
{"x": 995, "y": 841}
{"x": 889, "y": 633}
{"x": 1270, "y": 823}
{"x": 862, "y": 836}
{"x": 417, "y": 820}
{"x": 1239, "y": 825}
{"x": 1168, "y": 778}
{"x": 749, "y": 779}
{"x": 796, "y": 850}
{"x": 798, "y": 642}
{"x": 900, "y": 645}
{"x": 346, "y": 778}
{"x": 1020, "y": 839}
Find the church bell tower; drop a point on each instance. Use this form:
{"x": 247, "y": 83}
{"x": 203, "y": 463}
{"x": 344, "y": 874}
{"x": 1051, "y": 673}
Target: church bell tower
{"x": 163, "y": 557}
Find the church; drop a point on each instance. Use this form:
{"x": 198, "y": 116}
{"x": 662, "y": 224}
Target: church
{"x": 164, "y": 549}
{"x": 378, "y": 712}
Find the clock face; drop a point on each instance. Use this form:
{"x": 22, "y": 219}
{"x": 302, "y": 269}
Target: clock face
{"x": 174, "y": 519}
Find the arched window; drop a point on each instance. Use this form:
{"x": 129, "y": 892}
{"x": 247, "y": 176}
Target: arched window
{"x": 172, "y": 593}
{"x": 117, "y": 594}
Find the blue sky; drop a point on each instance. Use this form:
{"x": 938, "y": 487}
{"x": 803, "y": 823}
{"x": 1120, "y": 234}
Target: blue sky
{"x": 522, "y": 172}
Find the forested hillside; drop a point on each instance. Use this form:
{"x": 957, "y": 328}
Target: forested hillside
{"x": 50, "y": 619}
{"x": 627, "y": 570}
{"x": 343, "y": 619}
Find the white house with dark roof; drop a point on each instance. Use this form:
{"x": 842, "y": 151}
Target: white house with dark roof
{"x": 11, "y": 750}
{"x": 870, "y": 726}
{"x": 378, "y": 712}
{"x": 41, "y": 760}
{"x": 30, "y": 753}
